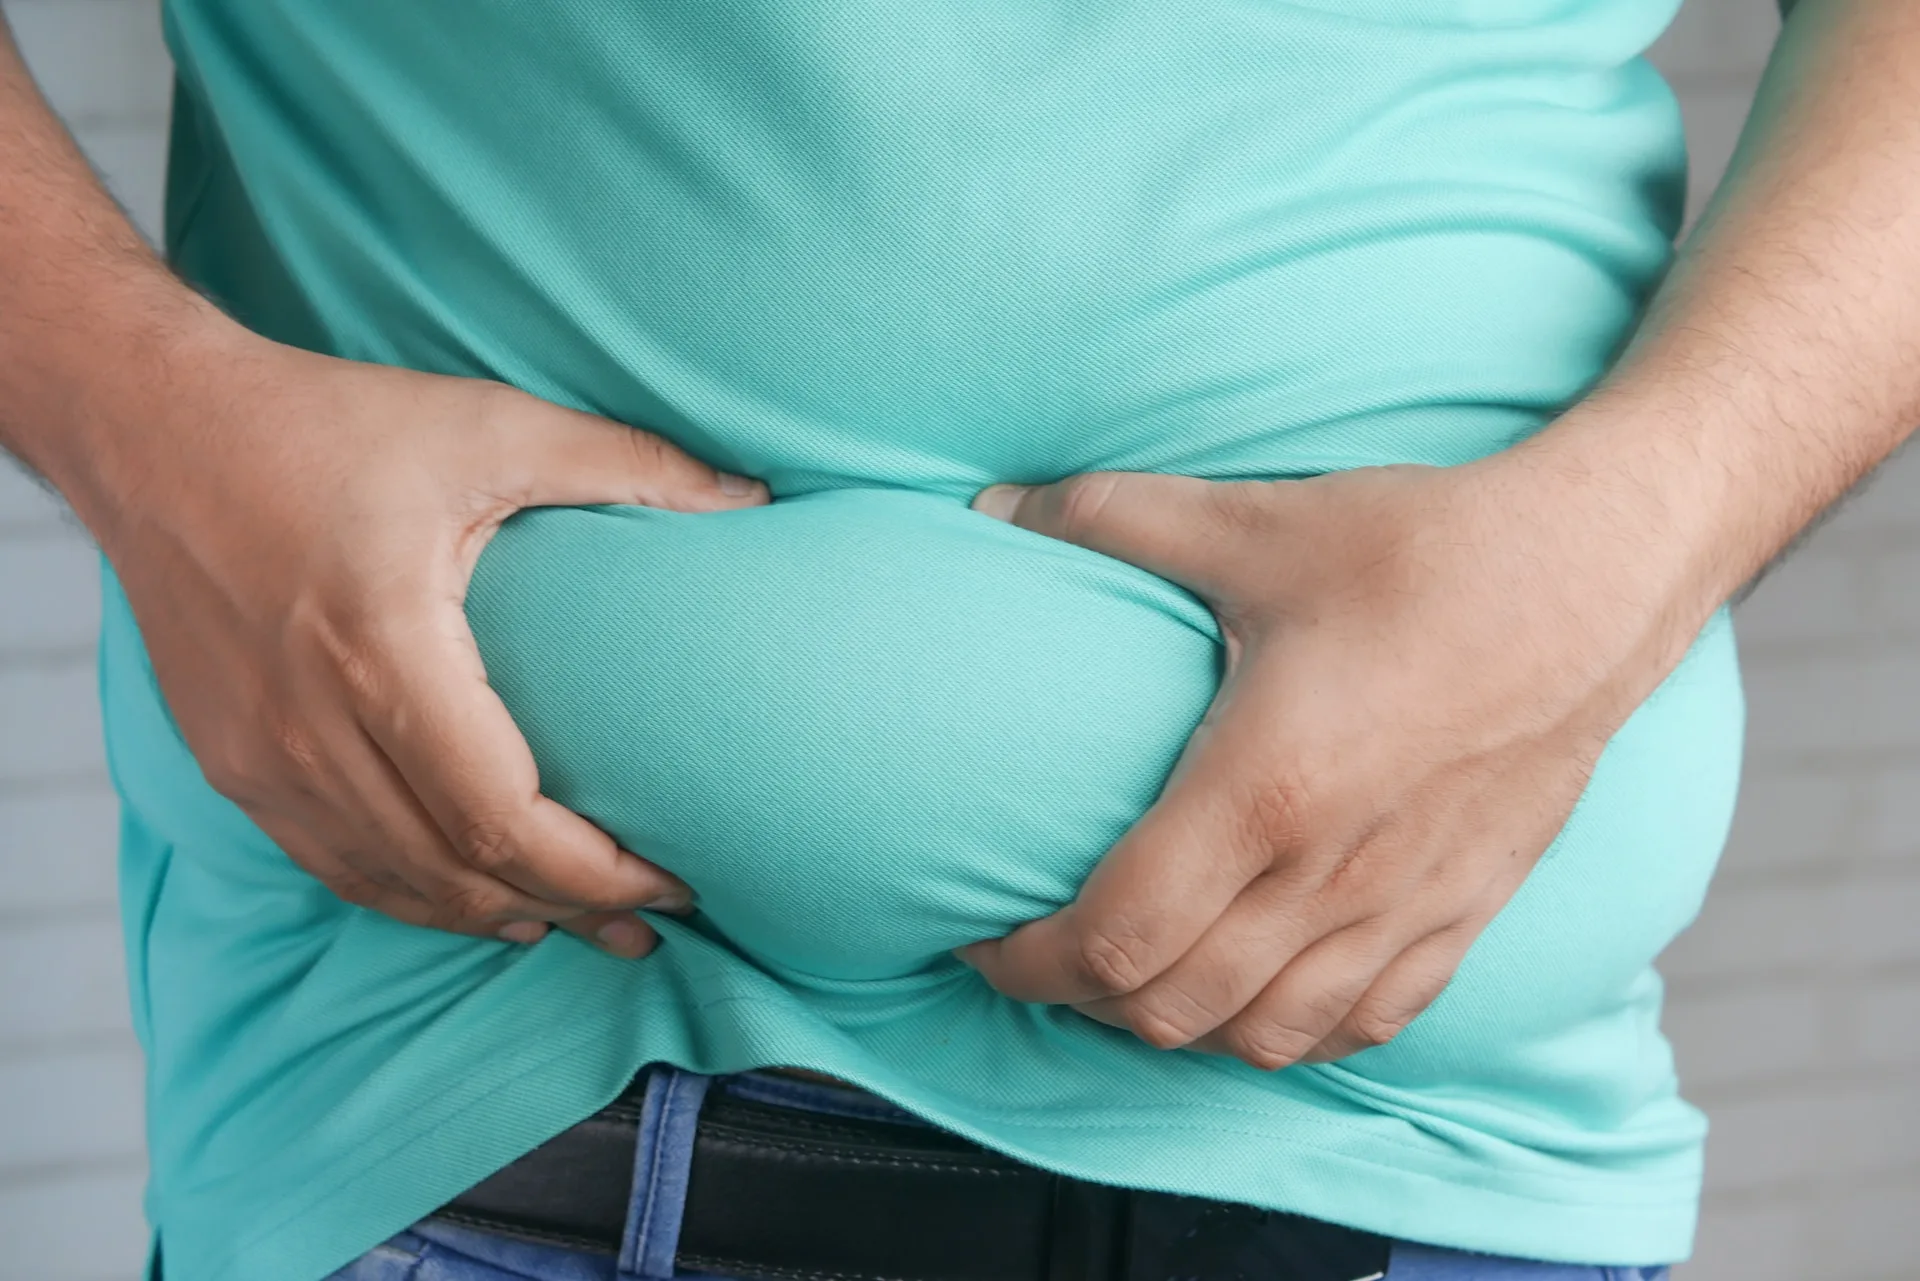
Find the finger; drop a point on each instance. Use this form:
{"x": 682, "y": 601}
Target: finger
{"x": 1260, "y": 933}
{"x": 1179, "y": 527}
{"x": 367, "y": 884}
{"x": 1307, "y": 999}
{"x": 620, "y": 933}
{"x": 460, "y": 754}
{"x": 1402, "y": 991}
{"x": 355, "y": 804}
{"x": 412, "y": 909}
{"x": 559, "y": 457}
{"x": 412, "y": 848}
{"x": 1228, "y": 814}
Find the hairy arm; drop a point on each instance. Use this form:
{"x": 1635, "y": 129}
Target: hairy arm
{"x": 1777, "y": 364}
{"x": 76, "y": 283}
{"x": 1424, "y": 664}
{"x": 295, "y": 534}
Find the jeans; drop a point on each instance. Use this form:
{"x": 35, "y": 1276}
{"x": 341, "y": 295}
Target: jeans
{"x": 433, "y": 1251}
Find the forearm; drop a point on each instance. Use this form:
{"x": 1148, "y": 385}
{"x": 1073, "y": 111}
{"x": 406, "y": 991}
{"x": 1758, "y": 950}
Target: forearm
{"x": 1778, "y": 363}
{"x": 91, "y": 322}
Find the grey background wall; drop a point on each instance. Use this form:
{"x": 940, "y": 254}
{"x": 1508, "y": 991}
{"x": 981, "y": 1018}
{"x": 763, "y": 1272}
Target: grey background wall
{"x": 1795, "y": 1000}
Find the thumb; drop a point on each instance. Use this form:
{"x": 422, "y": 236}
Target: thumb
{"x": 560, "y": 457}
{"x": 1188, "y": 530}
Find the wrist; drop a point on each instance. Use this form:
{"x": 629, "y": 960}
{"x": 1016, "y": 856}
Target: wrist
{"x": 98, "y": 409}
{"x": 1655, "y": 482}
{"x": 1620, "y": 545}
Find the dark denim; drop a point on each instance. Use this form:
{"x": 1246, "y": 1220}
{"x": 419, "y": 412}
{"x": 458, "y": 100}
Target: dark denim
{"x": 432, "y": 1251}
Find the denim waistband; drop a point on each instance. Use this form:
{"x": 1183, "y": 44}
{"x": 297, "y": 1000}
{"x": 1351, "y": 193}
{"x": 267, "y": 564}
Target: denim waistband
{"x": 814, "y": 1096}
{"x": 671, "y": 1100}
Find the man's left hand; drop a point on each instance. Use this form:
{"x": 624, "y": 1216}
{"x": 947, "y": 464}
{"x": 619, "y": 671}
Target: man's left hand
{"x": 1423, "y": 665}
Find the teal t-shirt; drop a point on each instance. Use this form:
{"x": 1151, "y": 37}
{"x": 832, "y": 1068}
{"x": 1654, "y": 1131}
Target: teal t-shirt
{"x": 883, "y": 254}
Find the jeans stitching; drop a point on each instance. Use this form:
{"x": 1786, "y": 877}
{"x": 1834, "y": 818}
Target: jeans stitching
{"x": 534, "y": 1236}
{"x": 717, "y": 1264}
{"x": 875, "y": 1160}
{"x": 649, "y": 1234}
{"x": 643, "y": 1225}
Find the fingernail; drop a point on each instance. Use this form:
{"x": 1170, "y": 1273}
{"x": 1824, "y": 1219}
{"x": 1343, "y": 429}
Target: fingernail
{"x": 999, "y": 501}
{"x": 523, "y": 932}
{"x": 679, "y": 902}
{"x": 626, "y": 936}
{"x": 736, "y": 486}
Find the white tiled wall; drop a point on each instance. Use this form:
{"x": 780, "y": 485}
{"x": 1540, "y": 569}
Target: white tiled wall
{"x": 71, "y": 1165}
{"x": 1795, "y": 1001}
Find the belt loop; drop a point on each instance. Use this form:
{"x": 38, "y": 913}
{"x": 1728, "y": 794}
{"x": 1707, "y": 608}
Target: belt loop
{"x": 1085, "y": 1240}
{"x": 662, "y": 1153}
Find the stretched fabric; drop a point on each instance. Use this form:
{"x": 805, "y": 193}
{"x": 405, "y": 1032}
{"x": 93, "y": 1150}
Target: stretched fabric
{"x": 883, "y": 255}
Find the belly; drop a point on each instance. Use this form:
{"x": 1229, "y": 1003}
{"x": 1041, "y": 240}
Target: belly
{"x": 880, "y": 261}
{"x": 934, "y": 246}
{"x": 865, "y": 725}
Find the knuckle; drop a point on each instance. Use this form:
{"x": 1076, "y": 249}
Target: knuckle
{"x": 228, "y": 773}
{"x": 1381, "y": 1016}
{"x": 294, "y": 743}
{"x": 469, "y": 906}
{"x": 1273, "y": 811}
{"x": 356, "y": 652}
{"x": 1268, "y": 1045}
{"x": 485, "y": 842}
{"x": 1168, "y": 1019}
{"x": 1375, "y": 1027}
{"x": 1114, "y": 958}
{"x": 650, "y": 454}
{"x": 273, "y": 760}
{"x": 238, "y": 778}
{"x": 1080, "y": 500}
{"x": 360, "y": 670}
{"x": 354, "y": 887}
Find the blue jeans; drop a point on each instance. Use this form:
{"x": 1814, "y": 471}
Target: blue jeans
{"x": 432, "y": 1251}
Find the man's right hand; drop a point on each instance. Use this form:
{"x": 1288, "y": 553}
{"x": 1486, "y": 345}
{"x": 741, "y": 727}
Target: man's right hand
{"x": 295, "y": 534}
{"x": 297, "y": 548}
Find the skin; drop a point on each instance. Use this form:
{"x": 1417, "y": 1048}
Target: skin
{"x": 295, "y": 534}
{"x": 1424, "y": 665}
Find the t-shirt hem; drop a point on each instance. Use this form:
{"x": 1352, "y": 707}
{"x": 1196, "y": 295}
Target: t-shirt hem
{"x": 376, "y": 1190}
